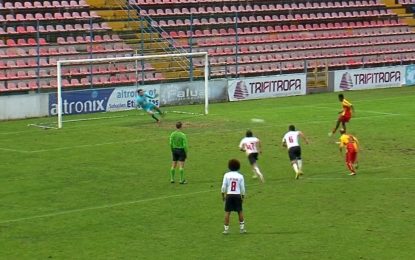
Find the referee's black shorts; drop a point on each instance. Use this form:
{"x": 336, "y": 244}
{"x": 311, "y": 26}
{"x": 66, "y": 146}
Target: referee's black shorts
{"x": 233, "y": 202}
{"x": 178, "y": 154}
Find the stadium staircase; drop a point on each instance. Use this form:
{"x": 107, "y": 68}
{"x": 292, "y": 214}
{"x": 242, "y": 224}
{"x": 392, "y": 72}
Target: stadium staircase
{"x": 403, "y": 9}
{"x": 138, "y": 33}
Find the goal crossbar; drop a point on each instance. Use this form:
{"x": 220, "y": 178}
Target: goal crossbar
{"x": 131, "y": 58}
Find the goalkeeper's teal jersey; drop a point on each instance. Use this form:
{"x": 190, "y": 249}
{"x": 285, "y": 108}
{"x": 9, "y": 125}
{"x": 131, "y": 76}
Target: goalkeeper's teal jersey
{"x": 178, "y": 140}
{"x": 144, "y": 100}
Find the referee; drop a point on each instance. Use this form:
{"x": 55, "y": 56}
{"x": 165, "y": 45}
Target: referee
{"x": 178, "y": 146}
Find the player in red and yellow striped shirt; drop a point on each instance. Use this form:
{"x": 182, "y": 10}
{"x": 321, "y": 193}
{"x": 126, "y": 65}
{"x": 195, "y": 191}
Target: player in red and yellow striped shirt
{"x": 345, "y": 114}
{"x": 352, "y": 148}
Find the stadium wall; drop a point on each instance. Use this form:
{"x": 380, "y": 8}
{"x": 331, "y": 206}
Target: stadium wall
{"x": 221, "y": 90}
{"x": 108, "y": 99}
{"x": 23, "y": 106}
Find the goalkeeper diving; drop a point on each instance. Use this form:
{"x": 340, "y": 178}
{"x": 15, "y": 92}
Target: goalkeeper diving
{"x": 143, "y": 101}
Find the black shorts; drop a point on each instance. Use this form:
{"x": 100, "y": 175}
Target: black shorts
{"x": 178, "y": 154}
{"x": 294, "y": 153}
{"x": 252, "y": 158}
{"x": 233, "y": 202}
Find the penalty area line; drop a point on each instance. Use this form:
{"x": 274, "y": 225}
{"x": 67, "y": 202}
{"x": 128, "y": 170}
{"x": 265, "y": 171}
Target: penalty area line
{"x": 65, "y": 212}
{"x": 13, "y": 150}
{"x": 126, "y": 203}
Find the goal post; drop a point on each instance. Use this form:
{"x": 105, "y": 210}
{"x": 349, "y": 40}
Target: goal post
{"x": 181, "y": 61}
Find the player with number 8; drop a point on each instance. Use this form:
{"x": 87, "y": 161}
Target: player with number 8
{"x": 233, "y": 193}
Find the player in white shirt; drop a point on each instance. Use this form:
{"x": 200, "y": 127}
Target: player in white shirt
{"x": 233, "y": 193}
{"x": 292, "y": 142}
{"x": 251, "y": 145}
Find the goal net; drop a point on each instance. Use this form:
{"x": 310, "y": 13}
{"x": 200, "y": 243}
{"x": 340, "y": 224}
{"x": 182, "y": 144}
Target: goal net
{"x": 86, "y": 86}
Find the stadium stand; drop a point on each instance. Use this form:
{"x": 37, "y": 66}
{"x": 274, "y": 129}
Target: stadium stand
{"x": 332, "y": 34}
{"x": 35, "y": 34}
{"x": 242, "y": 37}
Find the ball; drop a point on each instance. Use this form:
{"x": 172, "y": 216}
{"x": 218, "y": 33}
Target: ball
{"x": 257, "y": 120}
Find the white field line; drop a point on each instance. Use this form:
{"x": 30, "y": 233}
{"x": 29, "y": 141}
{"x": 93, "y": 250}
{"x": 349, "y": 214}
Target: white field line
{"x": 283, "y": 107}
{"x": 95, "y": 118}
{"x": 137, "y": 140}
{"x": 13, "y": 150}
{"x": 126, "y": 203}
{"x": 104, "y": 206}
{"x": 42, "y": 126}
{"x": 70, "y": 147}
{"x": 65, "y": 212}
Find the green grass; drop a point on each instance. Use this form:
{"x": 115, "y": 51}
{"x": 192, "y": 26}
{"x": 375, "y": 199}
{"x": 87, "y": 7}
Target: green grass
{"x": 100, "y": 189}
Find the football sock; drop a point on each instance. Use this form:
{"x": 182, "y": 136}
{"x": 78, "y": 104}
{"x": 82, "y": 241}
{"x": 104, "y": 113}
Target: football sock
{"x": 226, "y": 227}
{"x": 242, "y": 225}
{"x": 181, "y": 171}
{"x": 155, "y": 118}
{"x": 350, "y": 167}
{"x": 258, "y": 172}
{"x": 172, "y": 173}
{"x": 300, "y": 165}
{"x": 295, "y": 167}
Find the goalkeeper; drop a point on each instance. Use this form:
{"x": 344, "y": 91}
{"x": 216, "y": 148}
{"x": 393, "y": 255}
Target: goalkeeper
{"x": 143, "y": 100}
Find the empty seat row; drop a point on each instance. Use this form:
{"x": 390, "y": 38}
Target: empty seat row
{"x": 256, "y": 8}
{"x": 17, "y": 86}
{"x": 50, "y": 61}
{"x": 43, "y": 4}
{"x": 104, "y": 69}
{"x": 10, "y": 74}
{"x": 305, "y": 53}
{"x": 98, "y": 80}
{"x": 177, "y": 2}
{"x": 26, "y": 63}
{"x": 116, "y": 47}
{"x": 63, "y": 50}
{"x": 273, "y": 18}
{"x": 292, "y": 38}
{"x": 288, "y": 28}
{"x": 48, "y": 16}
{"x": 88, "y": 39}
{"x": 22, "y": 42}
{"x": 42, "y": 51}
{"x": 299, "y": 65}
{"x": 301, "y": 56}
{"x": 54, "y": 28}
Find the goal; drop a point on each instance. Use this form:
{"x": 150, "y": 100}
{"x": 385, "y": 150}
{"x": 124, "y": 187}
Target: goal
{"x": 171, "y": 76}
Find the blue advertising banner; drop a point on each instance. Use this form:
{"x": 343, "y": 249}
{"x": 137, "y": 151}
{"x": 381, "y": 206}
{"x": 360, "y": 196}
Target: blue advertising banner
{"x": 100, "y": 100}
{"x": 80, "y": 102}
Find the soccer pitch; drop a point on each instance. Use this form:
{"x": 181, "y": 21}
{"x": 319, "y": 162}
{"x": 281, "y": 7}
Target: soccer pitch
{"x": 100, "y": 189}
